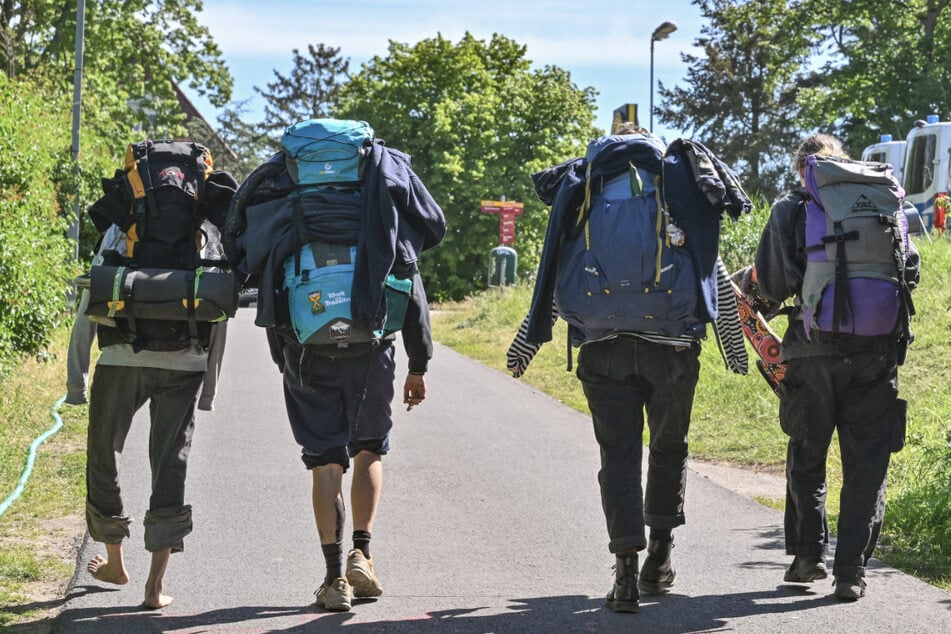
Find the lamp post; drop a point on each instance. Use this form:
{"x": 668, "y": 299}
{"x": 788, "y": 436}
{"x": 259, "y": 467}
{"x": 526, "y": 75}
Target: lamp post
{"x": 660, "y": 33}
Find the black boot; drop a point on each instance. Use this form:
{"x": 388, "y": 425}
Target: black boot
{"x": 623, "y": 596}
{"x": 657, "y": 574}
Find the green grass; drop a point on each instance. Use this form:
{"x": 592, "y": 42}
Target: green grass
{"x": 39, "y": 529}
{"x": 735, "y": 417}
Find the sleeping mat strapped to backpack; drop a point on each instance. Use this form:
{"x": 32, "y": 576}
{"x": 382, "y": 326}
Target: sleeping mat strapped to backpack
{"x": 159, "y": 291}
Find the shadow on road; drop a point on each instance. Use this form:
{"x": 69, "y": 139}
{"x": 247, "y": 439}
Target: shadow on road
{"x": 664, "y": 613}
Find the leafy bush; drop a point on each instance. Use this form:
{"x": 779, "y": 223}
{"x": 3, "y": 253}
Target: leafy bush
{"x": 36, "y": 257}
{"x": 738, "y": 240}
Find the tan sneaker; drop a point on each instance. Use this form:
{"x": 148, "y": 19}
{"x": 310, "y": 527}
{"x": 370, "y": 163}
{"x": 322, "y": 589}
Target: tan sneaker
{"x": 360, "y": 575}
{"x": 335, "y": 596}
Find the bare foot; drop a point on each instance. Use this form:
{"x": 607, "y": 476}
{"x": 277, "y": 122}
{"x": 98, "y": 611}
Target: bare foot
{"x": 156, "y": 600}
{"x": 102, "y": 570}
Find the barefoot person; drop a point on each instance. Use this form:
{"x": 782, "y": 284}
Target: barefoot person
{"x": 148, "y": 358}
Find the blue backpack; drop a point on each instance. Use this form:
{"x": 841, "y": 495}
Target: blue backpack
{"x": 621, "y": 266}
{"x": 319, "y": 280}
{"x": 318, "y": 277}
{"x": 326, "y": 151}
{"x": 856, "y": 246}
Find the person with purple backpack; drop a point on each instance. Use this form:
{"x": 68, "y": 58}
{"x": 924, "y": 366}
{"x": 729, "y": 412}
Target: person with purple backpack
{"x": 848, "y": 333}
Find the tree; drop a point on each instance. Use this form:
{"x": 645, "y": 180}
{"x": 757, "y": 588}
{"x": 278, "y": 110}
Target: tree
{"x": 248, "y": 141}
{"x": 883, "y": 68}
{"x": 135, "y": 51}
{"x": 477, "y": 121}
{"x": 740, "y": 98}
{"x": 309, "y": 92}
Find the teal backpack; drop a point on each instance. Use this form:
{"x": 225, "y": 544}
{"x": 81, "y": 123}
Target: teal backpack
{"x": 318, "y": 278}
{"x": 326, "y": 151}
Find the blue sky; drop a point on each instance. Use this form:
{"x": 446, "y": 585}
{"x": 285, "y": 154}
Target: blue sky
{"x": 603, "y": 44}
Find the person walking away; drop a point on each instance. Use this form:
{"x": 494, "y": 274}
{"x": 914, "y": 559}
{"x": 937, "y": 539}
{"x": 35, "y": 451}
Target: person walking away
{"x": 631, "y": 262}
{"x": 848, "y": 332}
{"x": 148, "y": 356}
{"x": 349, "y": 235}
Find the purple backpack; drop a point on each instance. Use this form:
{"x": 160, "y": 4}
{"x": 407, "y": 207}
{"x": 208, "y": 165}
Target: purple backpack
{"x": 856, "y": 246}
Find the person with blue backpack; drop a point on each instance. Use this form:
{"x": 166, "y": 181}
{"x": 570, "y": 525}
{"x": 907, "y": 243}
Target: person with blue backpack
{"x": 330, "y": 231}
{"x": 631, "y": 262}
{"x": 840, "y": 247}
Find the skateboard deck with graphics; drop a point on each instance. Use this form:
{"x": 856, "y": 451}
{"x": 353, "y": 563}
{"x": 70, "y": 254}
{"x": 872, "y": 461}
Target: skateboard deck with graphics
{"x": 765, "y": 342}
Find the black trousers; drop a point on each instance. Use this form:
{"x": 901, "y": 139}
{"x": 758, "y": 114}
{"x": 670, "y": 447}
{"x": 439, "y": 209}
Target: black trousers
{"x": 622, "y": 378}
{"x": 857, "y": 396}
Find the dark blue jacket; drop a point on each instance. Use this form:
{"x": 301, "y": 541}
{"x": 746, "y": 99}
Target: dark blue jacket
{"x": 397, "y": 220}
{"x": 697, "y": 189}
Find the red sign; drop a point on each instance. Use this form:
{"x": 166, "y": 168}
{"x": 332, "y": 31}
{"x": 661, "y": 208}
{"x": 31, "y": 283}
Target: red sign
{"x": 498, "y": 206}
{"x": 507, "y": 210}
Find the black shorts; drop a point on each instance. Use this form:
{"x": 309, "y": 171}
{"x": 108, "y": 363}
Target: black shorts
{"x": 339, "y": 406}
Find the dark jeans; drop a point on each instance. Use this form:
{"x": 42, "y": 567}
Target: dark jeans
{"x": 857, "y": 395}
{"x": 116, "y": 395}
{"x": 623, "y": 377}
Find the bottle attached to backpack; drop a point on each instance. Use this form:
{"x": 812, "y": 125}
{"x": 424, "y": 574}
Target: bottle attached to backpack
{"x": 856, "y": 246}
{"x": 159, "y": 291}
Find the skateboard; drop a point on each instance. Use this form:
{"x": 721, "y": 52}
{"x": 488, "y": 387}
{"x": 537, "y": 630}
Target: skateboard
{"x": 764, "y": 341}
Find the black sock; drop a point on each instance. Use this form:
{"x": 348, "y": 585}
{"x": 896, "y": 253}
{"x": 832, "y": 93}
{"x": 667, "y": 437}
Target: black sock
{"x": 333, "y": 559}
{"x": 361, "y": 540}
{"x": 661, "y": 534}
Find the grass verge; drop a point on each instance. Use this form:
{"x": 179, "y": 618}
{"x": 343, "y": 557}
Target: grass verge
{"x": 39, "y": 530}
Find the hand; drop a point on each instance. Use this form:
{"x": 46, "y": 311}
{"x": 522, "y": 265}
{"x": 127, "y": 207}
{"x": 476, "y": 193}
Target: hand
{"x": 414, "y": 390}
{"x": 745, "y": 278}
{"x": 515, "y": 364}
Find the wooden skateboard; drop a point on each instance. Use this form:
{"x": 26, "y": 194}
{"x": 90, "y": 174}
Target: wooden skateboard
{"x": 764, "y": 341}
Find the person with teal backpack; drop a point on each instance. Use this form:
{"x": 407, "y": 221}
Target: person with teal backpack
{"x": 330, "y": 231}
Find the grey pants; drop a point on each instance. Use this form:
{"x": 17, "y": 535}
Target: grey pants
{"x": 117, "y": 394}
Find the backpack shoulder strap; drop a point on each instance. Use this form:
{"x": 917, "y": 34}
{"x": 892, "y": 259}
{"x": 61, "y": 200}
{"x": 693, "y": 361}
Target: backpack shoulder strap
{"x": 140, "y": 182}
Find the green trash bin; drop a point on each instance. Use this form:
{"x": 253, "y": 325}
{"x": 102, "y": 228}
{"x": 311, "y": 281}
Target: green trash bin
{"x": 503, "y": 264}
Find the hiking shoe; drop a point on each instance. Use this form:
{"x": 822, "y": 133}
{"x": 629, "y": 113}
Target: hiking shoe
{"x": 806, "y": 570}
{"x": 849, "y": 588}
{"x": 624, "y": 597}
{"x": 360, "y": 575}
{"x": 334, "y": 596}
{"x": 657, "y": 574}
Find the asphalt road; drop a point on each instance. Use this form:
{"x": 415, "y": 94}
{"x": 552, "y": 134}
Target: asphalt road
{"x": 490, "y": 522}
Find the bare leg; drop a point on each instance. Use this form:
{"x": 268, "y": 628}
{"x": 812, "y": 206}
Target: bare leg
{"x": 109, "y": 570}
{"x": 328, "y": 480}
{"x": 365, "y": 489}
{"x": 154, "y": 599}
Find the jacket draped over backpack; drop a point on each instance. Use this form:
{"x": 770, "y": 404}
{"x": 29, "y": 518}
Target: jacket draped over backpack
{"x": 397, "y": 221}
{"x": 697, "y": 189}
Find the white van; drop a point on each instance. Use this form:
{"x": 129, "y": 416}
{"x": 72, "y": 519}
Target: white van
{"x": 887, "y": 151}
{"x": 927, "y": 165}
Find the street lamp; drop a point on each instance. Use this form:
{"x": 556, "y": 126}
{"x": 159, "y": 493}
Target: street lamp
{"x": 660, "y": 33}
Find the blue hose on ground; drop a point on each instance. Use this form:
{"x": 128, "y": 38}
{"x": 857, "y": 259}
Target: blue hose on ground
{"x": 32, "y": 457}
